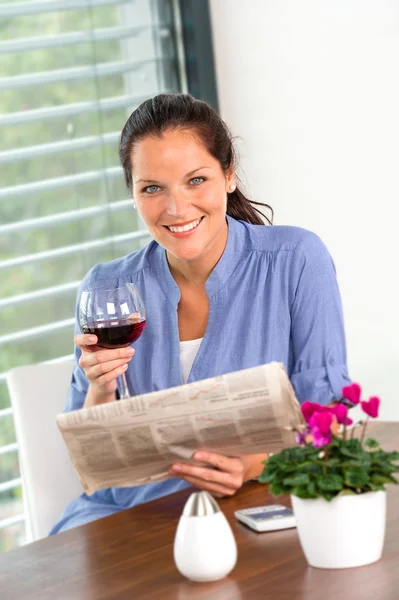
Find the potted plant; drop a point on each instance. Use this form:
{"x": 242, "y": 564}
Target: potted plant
{"x": 336, "y": 478}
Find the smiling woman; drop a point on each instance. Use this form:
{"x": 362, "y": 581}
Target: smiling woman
{"x": 222, "y": 291}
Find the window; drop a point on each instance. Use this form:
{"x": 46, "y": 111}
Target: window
{"x": 71, "y": 71}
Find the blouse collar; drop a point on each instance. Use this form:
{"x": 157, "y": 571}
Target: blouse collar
{"x": 220, "y": 274}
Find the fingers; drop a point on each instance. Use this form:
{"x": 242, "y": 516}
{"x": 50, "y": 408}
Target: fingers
{"x": 102, "y": 366}
{"x": 98, "y": 356}
{"x": 223, "y": 482}
{"x": 107, "y": 377}
{"x": 223, "y": 463}
{"x": 214, "y": 488}
{"x": 85, "y": 341}
{"x": 206, "y": 475}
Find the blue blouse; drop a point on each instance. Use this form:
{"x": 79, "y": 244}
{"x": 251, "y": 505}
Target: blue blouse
{"x": 273, "y": 296}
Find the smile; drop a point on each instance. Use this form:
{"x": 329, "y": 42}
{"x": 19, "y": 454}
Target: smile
{"x": 184, "y": 228}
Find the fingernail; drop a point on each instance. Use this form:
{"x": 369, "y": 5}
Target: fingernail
{"x": 176, "y": 467}
{"x": 130, "y": 351}
{"x": 199, "y": 456}
{"x": 125, "y": 367}
{"x": 92, "y": 338}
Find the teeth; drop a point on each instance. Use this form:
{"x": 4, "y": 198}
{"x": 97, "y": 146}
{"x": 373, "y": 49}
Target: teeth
{"x": 187, "y": 227}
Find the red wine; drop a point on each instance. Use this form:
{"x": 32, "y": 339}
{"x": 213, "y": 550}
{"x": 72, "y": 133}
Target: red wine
{"x": 115, "y": 336}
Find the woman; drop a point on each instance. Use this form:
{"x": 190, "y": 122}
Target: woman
{"x": 223, "y": 291}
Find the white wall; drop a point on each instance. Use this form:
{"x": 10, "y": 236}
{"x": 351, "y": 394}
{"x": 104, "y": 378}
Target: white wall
{"x": 312, "y": 88}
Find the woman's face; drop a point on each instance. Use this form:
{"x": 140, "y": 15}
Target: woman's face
{"x": 181, "y": 194}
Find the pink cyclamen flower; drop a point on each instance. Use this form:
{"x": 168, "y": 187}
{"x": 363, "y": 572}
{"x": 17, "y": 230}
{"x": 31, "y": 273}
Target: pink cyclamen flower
{"x": 322, "y": 421}
{"x": 309, "y": 408}
{"x": 320, "y": 428}
{"x": 371, "y": 407}
{"x": 352, "y": 393}
{"x": 320, "y": 439}
{"x": 300, "y": 438}
{"x": 341, "y": 411}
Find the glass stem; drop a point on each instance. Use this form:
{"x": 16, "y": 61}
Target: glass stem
{"x": 123, "y": 389}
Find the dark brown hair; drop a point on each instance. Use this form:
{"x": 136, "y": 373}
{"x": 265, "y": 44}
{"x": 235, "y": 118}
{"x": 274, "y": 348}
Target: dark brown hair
{"x": 182, "y": 111}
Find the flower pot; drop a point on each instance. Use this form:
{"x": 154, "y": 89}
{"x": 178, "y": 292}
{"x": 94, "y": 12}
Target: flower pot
{"x": 346, "y": 532}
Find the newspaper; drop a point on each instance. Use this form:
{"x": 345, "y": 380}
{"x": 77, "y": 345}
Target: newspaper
{"x": 133, "y": 441}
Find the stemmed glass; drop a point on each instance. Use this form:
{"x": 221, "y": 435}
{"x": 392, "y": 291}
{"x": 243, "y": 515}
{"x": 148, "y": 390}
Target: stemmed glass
{"x": 116, "y": 316}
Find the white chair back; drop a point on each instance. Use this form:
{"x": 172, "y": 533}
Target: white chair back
{"x": 49, "y": 481}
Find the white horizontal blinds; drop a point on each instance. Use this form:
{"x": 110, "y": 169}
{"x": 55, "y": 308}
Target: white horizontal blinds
{"x": 71, "y": 71}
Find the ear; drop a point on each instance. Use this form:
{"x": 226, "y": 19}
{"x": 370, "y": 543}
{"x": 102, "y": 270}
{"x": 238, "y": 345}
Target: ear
{"x": 230, "y": 181}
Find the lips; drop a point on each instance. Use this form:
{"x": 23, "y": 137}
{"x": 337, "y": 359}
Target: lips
{"x": 184, "y": 228}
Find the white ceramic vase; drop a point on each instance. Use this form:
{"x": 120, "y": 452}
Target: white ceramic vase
{"x": 346, "y": 532}
{"x": 205, "y": 548}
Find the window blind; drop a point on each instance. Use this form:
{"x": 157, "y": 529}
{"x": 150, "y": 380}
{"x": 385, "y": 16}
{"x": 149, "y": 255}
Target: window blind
{"x": 71, "y": 71}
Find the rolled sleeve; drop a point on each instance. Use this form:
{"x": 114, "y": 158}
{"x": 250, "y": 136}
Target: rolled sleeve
{"x": 322, "y": 385}
{"x": 319, "y": 367}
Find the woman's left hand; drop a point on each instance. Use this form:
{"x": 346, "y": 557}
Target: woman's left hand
{"x": 224, "y": 480}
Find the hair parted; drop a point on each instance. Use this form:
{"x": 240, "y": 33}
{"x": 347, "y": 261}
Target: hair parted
{"x": 182, "y": 111}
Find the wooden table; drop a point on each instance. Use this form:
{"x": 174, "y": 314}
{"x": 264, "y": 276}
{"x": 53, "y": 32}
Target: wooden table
{"x": 130, "y": 556}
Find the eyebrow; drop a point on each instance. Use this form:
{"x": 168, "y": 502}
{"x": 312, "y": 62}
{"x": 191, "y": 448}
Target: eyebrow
{"x": 186, "y": 175}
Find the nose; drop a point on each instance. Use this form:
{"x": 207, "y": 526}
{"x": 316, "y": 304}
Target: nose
{"x": 178, "y": 205}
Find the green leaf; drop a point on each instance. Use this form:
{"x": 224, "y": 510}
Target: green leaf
{"x": 386, "y": 468}
{"x": 349, "y": 453}
{"x": 299, "y": 479}
{"x": 381, "y": 479}
{"x": 365, "y": 459}
{"x": 312, "y": 491}
{"x": 346, "y": 492}
{"x": 275, "y": 489}
{"x": 270, "y": 466}
{"x": 351, "y": 448}
{"x": 352, "y": 445}
{"x": 346, "y": 464}
{"x": 278, "y": 490}
{"x": 356, "y": 478}
{"x": 311, "y": 467}
{"x": 302, "y": 491}
{"x": 371, "y": 443}
{"x": 333, "y": 462}
{"x": 375, "y": 487}
{"x": 266, "y": 477}
{"x": 330, "y": 482}
{"x": 283, "y": 466}
{"x": 328, "y": 495}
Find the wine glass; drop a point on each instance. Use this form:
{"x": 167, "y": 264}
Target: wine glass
{"x": 116, "y": 316}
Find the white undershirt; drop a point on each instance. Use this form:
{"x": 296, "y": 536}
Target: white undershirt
{"x": 188, "y": 352}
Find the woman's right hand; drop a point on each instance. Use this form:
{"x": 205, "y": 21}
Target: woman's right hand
{"x": 101, "y": 367}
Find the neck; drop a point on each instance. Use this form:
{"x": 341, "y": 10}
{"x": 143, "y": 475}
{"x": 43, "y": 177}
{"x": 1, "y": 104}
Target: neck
{"x": 197, "y": 271}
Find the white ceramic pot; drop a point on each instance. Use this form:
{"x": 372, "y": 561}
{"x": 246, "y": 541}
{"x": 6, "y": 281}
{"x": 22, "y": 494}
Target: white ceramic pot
{"x": 346, "y": 532}
{"x": 204, "y": 547}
